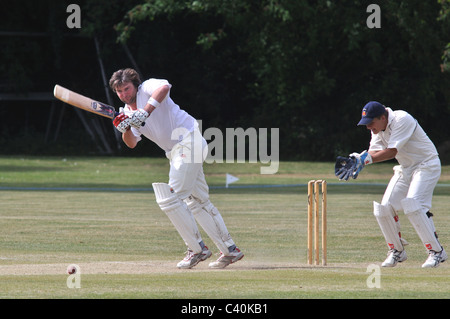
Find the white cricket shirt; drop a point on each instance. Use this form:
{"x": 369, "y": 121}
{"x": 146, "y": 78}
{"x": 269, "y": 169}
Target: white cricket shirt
{"x": 407, "y": 136}
{"x": 167, "y": 124}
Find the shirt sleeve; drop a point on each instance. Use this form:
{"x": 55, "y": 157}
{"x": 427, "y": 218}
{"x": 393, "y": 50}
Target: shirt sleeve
{"x": 152, "y": 85}
{"x": 136, "y": 133}
{"x": 402, "y": 130}
{"x": 376, "y": 143}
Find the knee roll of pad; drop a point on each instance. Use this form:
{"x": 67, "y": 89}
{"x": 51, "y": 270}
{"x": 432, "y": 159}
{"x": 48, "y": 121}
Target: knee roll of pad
{"x": 196, "y": 206}
{"x": 410, "y": 205}
{"x": 381, "y": 210}
{"x": 166, "y": 197}
{"x": 386, "y": 221}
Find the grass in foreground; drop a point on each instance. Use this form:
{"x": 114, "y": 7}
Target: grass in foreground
{"x": 127, "y": 248}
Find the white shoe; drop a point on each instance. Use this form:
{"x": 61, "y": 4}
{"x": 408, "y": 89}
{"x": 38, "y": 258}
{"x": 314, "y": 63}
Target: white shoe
{"x": 394, "y": 257}
{"x": 435, "y": 258}
{"x": 192, "y": 259}
{"x": 224, "y": 261}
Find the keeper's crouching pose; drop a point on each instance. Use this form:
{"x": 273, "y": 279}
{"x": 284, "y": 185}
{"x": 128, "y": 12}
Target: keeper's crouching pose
{"x": 150, "y": 112}
{"x": 396, "y": 134}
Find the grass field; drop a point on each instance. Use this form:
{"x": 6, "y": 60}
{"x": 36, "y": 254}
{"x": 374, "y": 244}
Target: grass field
{"x": 99, "y": 213}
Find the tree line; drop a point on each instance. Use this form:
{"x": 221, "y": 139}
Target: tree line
{"x": 305, "y": 67}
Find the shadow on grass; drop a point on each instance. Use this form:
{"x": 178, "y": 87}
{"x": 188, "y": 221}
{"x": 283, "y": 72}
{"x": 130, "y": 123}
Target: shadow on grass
{"x": 21, "y": 168}
{"x": 333, "y": 188}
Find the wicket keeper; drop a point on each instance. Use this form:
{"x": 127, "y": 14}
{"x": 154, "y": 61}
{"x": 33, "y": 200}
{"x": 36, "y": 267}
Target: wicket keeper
{"x": 396, "y": 134}
{"x": 151, "y": 113}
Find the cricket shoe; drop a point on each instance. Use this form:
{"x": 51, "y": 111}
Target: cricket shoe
{"x": 225, "y": 260}
{"x": 435, "y": 258}
{"x": 192, "y": 259}
{"x": 394, "y": 257}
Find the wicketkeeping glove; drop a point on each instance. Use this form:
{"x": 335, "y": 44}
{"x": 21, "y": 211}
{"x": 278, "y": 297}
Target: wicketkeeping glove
{"x": 122, "y": 122}
{"x": 344, "y": 167}
{"x": 361, "y": 160}
{"x": 138, "y": 118}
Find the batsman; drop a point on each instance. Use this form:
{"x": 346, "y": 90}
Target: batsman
{"x": 396, "y": 134}
{"x": 150, "y": 112}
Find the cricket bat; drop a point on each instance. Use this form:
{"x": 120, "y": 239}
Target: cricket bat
{"x": 84, "y": 102}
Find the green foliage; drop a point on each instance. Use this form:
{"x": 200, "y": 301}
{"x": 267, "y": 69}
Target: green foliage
{"x": 315, "y": 65}
{"x": 446, "y": 59}
{"x": 444, "y": 16}
{"x": 444, "y": 13}
{"x": 304, "y": 67}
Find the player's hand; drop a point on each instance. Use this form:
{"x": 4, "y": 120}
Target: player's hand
{"x": 361, "y": 160}
{"x": 122, "y": 122}
{"x": 138, "y": 118}
{"x": 344, "y": 167}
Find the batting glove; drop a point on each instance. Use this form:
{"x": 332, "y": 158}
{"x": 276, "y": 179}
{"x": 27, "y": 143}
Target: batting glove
{"x": 122, "y": 122}
{"x": 361, "y": 160}
{"x": 138, "y": 118}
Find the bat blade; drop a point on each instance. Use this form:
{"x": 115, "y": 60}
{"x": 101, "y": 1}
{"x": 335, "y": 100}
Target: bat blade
{"x": 83, "y": 102}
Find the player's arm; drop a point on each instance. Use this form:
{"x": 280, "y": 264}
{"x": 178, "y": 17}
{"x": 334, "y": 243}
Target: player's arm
{"x": 129, "y": 139}
{"x": 139, "y": 117}
{"x": 157, "y": 97}
{"x": 383, "y": 155}
{"x": 370, "y": 157}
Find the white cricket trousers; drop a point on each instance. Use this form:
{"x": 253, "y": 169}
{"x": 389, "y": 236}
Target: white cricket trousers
{"x": 417, "y": 183}
{"x": 186, "y": 175}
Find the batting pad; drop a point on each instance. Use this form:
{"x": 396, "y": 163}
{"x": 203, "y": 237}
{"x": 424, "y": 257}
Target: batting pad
{"x": 422, "y": 224}
{"x": 179, "y": 215}
{"x": 209, "y": 218}
{"x": 385, "y": 219}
